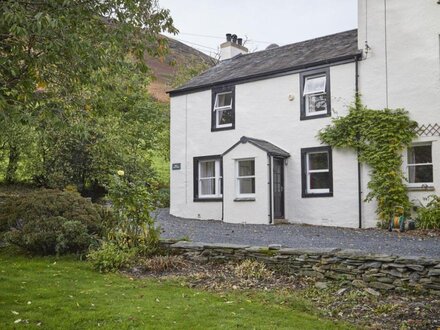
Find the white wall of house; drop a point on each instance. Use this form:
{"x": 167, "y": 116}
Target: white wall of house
{"x": 402, "y": 68}
{"x": 256, "y": 211}
{"x": 264, "y": 110}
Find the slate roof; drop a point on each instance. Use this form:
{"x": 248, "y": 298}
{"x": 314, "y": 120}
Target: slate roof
{"x": 270, "y": 148}
{"x": 328, "y": 49}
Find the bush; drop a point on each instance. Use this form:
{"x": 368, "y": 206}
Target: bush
{"x": 52, "y": 221}
{"x": 51, "y": 235}
{"x": 110, "y": 257}
{"x": 133, "y": 203}
{"x": 428, "y": 216}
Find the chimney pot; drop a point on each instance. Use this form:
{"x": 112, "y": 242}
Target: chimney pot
{"x": 232, "y": 47}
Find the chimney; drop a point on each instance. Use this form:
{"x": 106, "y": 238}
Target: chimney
{"x": 232, "y": 47}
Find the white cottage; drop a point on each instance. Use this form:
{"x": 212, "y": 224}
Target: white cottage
{"x": 243, "y": 133}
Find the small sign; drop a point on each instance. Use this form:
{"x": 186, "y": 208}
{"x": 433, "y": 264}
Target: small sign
{"x": 176, "y": 166}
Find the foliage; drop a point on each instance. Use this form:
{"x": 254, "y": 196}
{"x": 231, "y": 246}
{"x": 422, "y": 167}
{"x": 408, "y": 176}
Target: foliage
{"x": 73, "y": 89}
{"x": 379, "y": 136}
{"x": 51, "y": 235}
{"x": 111, "y": 257}
{"x": 428, "y": 216}
{"x": 121, "y": 129}
{"x": 133, "y": 203}
{"x": 163, "y": 263}
{"x": 50, "y": 221}
{"x": 252, "y": 270}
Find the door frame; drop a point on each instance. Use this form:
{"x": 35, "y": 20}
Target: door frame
{"x": 283, "y": 197}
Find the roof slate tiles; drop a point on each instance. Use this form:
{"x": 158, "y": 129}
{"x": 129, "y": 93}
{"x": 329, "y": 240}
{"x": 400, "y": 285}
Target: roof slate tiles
{"x": 300, "y": 55}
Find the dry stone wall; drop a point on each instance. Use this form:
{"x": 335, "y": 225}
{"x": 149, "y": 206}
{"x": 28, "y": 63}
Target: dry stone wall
{"x": 361, "y": 269}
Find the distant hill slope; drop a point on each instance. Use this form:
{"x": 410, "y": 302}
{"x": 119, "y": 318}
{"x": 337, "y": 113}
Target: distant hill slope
{"x": 164, "y": 69}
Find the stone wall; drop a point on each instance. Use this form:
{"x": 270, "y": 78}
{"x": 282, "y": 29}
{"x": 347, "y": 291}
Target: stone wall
{"x": 361, "y": 269}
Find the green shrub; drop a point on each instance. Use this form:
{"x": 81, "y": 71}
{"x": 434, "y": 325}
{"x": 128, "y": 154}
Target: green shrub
{"x": 163, "y": 197}
{"x": 51, "y": 235}
{"x": 110, "y": 257}
{"x": 134, "y": 226}
{"x": 52, "y": 221}
{"x": 428, "y": 216}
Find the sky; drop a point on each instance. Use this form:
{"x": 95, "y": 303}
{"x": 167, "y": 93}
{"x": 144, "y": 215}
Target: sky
{"x": 204, "y": 23}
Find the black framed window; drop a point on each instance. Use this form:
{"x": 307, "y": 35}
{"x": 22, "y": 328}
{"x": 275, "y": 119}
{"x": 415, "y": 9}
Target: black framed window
{"x": 315, "y": 94}
{"x": 223, "y": 108}
{"x": 317, "y": 172}
{"x": 208, "y": 180}
{"x": 420, "y": 166}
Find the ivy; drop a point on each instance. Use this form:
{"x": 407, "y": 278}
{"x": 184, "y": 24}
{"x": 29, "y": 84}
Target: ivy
{"x": 379, "y": 136}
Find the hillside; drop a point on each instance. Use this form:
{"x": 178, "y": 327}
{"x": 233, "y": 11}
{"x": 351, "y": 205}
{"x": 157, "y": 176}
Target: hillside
{"x": 165, "y": 68}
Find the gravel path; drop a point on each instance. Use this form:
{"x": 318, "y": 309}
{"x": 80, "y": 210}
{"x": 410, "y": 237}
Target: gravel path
{"x": 298, "y": 236}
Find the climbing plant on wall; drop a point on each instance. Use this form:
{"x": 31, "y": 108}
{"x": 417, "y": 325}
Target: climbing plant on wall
{"x": 379, "y": 136}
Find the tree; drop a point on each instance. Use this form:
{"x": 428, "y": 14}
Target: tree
{"x": 51, "y": 49}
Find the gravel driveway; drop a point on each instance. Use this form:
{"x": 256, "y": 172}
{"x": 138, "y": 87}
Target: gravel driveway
{"x": 298, "y": 236}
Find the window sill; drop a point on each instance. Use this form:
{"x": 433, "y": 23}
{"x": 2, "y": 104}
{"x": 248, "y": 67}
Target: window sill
{"x": 420, "y": 188}
{"x": 244, "y": 199}
{"x": 309, "y": 195}
{"x": 216, "y": 199}
{"x": 305, "y": 117}
{"x": 216, "y": 129}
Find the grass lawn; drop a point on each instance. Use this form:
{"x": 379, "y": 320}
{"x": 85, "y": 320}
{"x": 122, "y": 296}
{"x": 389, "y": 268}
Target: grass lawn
{"x": 66, "y": 293}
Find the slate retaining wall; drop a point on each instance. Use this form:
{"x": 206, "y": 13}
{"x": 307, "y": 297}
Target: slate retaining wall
{"x": 377, "y": 271}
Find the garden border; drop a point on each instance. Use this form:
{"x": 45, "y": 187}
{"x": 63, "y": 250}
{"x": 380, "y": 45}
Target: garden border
{"x": 360, "y": 269}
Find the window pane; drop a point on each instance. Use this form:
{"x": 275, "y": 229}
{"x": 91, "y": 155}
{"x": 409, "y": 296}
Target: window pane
{"x": 318, "y": 161}
{"x": 246, "y": 167}
{"x": 314, "y": 85}
{"x": 247, "y": 186}
{"x": 320, "y": 180}
{"x": 419, "y": 154}
{"x": 207, "y": 169}
{"x": 420, "y": 174}
{"x": 315, "y": 103}
{"x": 207, "y": 186}
{"x": 224, "y": 100}
{"x": 224, "y": 117}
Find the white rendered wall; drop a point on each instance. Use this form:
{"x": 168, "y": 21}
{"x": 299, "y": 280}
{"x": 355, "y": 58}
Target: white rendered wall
{"x": 402, "y": 68}
{"x": 263, "y": 110}
{"x": 246, "y": 211}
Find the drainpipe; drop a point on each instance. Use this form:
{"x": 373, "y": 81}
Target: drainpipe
{"x": 223, "y": 190}
{"x": 269, "y": 158}
{"x": 358, "y": 162}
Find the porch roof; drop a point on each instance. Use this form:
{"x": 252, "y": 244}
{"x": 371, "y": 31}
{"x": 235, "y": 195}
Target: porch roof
{"x": 270, "y": 148}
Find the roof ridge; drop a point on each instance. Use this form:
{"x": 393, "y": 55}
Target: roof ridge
{"x": 293, "y": 43}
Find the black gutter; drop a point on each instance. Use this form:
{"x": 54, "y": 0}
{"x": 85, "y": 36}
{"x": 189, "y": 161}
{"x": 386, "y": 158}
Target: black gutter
{"x": 271, "y": 74}
{"x": 358, "y": 162}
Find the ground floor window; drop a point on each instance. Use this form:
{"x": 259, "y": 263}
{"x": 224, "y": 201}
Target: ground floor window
{"x": 246, "y": 178}
{"x": 419, "y": 164}
{"x": 317, "y": 176}
{"x": 207, "y": 178}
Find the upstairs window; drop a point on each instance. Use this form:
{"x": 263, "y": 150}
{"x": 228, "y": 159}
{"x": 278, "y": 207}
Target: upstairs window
{"x": 317, "y": 180}
{"x": 246, "y": 178}
{"x": 315, "y": 94}
{"x": 223, "y": 115}
{"x": 420, "y": 167}
{"x": 207, "y": 178}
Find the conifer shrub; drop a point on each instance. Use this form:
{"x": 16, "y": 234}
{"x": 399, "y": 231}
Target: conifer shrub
{"x": 52, "y": 221}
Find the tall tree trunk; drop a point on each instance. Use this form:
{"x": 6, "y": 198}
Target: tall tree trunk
{"x": 11, "y": 170}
